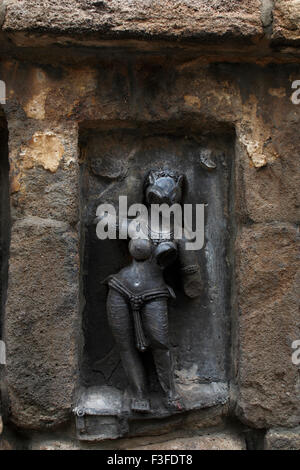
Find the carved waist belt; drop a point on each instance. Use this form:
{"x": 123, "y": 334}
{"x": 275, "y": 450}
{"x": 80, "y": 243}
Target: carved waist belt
{"x": 136, "y": 302}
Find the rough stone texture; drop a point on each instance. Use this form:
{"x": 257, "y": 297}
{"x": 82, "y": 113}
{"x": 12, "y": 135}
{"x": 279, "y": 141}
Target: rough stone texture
{"x": 202, "y": 92}
{"x": 211, "y": 96}
{"x": 218, "y": 441}
{"x": 283, "y": 439}
{"x": 44, "y": 171}
{"x": 267, "y": 133}
{"x": 53, "y": 444}
{"x": 268, "y": 293}
{"x": 286, "y": 22}
{"x": 43, "y": 295}
{"x": 41, "y": 313}
{"x": 137, "y": 18}
{"x": 157, "y": 93}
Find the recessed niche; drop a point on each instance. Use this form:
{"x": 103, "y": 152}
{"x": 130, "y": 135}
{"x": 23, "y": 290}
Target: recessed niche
{"x": 114, "y": 162}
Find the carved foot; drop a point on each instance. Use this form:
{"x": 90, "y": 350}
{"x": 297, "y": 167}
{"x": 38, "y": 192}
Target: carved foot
{"x": 141, "y": 405}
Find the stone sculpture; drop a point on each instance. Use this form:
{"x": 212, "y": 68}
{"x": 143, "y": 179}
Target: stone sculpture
{"x": 138, "y": 296}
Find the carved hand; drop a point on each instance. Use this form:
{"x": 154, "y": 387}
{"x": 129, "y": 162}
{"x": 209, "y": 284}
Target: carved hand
{"x": 192, "y": 284}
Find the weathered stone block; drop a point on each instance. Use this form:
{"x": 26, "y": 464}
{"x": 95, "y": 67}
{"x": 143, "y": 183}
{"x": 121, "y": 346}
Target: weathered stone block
{"x": 283, "y": 439}
{"x": 44, "y": 171}
{"x": 137, "y": 18}
{"x": 40, "y": 326}
{"x": 267, "y": 144}
{"x": 268, "y": 324}
{"x": 286, "y": 23}
{"x": 218, "y": 441}
{"x": 39, "y": 443}
{"x": 270, "y": 193}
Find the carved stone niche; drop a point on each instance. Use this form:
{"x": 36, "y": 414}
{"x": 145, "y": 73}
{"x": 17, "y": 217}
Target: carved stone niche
{"x": 115, "y": 162}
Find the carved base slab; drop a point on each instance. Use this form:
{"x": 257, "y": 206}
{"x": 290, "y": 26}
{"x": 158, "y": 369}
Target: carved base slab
{"x": 105, "y": 412}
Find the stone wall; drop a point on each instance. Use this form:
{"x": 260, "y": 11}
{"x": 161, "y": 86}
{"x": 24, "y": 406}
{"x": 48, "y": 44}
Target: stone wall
{"x": 223, "y": 66}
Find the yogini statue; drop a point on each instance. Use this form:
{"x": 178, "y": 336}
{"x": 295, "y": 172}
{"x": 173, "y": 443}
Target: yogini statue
{"x": 137, "y": 303}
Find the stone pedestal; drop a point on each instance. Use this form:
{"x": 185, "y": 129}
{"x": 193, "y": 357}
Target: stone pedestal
{"x": 104, "y": 412}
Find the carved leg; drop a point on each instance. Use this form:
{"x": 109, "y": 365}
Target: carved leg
{"x": 122, "y": 328}
{"x": 155, "y": 319}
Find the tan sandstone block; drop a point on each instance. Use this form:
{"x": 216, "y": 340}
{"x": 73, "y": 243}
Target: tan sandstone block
{"x": 268, "y": 299}
{"x": 173, "y": 18}
{"x": 40, "y": 322}
{"x": 286, "y": 19}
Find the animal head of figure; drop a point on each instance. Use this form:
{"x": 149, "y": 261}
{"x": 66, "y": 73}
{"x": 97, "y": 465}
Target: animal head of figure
{"x": 163, "y": 187}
